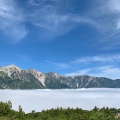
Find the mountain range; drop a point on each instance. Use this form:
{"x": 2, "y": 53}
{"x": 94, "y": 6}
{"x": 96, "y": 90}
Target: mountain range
{"x": 13, "y": 77}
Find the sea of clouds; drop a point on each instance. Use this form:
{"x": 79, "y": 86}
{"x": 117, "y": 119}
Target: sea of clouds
{"x": 39, "y": 100}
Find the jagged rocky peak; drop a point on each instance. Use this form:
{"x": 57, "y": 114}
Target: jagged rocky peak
{"x": 40, "y": 76}
{"x": 10, "y": 69}
{"x": 15, "y": 72}
{"x": 89, "y": 78}
{"x": 53, "y": 74}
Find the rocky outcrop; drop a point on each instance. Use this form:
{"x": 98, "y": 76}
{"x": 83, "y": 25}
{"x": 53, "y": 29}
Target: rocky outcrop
{"x": 16, "y": 78}
{"x": 40, "y": 76}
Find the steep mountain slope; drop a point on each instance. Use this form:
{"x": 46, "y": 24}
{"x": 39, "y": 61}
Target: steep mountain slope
{"x": 83, "y": 81}
{"x": 16, "y": 78}
{"x": 40, "y": 76}
{"x": 13, "y": 77}
{"x": 52, "y": 81}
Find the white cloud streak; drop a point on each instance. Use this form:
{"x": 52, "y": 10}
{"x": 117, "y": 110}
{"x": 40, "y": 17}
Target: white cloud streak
{"x": 98, "y": 66}
{"x": 114, "y": 8}
{"x": 80, "y": 72}
{"x": 51, "y": 18}
{"x": 44, "y": 14}
{"x": 114, "y": 5}
{"x": 48, "y": 16}
{"x": 106, "y": 14}
{"x": 112, "y": 72}
{"x": 99, "y": 58}
{"x": 11, "y": 20}
{"x": 61, "y": 65}
{"x": 52, "y": 21}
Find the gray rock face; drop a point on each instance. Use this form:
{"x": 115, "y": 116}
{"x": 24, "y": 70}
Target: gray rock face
{"x": 16, "y": 78}
{"x": 15, "y": 72}
{"x": 40, "y": 76}
{"x": 81, "y": 81}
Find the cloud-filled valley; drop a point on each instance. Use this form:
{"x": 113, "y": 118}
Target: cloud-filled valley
{"x": 47, "y": 99}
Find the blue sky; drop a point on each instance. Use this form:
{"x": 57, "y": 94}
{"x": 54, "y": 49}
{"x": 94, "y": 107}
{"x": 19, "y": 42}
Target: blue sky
{"x": 70, "y": 37}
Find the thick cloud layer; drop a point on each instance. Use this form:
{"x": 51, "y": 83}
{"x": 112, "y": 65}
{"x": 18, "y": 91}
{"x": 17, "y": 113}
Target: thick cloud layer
{"x": 46, "y": 99}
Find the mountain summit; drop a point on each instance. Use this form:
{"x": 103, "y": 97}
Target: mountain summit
{"x": 13, "y": 77}
{"x": 11, "y": 69}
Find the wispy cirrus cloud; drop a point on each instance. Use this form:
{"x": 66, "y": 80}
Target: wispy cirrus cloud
{"x": 99, "y": 58}
{"x": 114, "y": 6}
{"x": 79, "y": 72}
{"x": 107, "y": 15}
{"x": 60, "y": 65}
{"x": 55, "y": 18}
{"x": 49, "y": 16}
{"x": 109, "y": 71}
{"x": 11, "y": 18}
{"x": 99, "y": 66}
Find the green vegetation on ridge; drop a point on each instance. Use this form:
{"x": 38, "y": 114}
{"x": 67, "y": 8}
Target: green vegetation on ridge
{"x": 6, "y": 113}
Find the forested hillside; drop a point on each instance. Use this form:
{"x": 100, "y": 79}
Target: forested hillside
{"x": 6, "y": 113}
